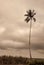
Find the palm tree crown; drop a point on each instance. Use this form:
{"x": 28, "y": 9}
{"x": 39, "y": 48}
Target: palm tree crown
{"x": 30, "y": 15}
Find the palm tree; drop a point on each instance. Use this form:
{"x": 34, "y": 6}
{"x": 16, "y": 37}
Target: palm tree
{"x": 30, "y": 16}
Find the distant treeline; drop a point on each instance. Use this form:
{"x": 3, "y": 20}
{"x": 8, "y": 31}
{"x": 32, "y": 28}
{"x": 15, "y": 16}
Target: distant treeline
{"x": 20, "y": 60}
{"x": 13, "y": 60}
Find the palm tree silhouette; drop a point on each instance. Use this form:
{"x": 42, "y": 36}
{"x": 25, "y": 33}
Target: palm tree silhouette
{"x": 30, "y": 16}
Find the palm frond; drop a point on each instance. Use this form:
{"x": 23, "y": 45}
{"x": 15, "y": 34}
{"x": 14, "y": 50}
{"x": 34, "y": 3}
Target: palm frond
{"x": 30, "y": 11}
{"x": 27, "y": 12}
{"x": 34, "y": 19}
{"x": 34, "y": 13}
{"x": 27, "y": 19}
{"x": 26, "y": 15}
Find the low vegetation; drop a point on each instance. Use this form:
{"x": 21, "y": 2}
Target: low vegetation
{"x": 20, "y": 60}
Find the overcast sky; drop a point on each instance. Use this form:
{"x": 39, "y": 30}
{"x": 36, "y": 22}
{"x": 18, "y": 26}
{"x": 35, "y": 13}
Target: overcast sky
{"x": 14, "y": 31}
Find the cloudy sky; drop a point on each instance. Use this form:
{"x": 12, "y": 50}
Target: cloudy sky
{"x": 14, "y": 31}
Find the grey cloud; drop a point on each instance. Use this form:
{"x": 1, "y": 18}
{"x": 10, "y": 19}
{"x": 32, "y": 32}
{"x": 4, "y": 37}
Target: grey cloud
{"x": 38, "y": 46}
{"x": 5, "y": 44}
{"x": 3, "y": 48}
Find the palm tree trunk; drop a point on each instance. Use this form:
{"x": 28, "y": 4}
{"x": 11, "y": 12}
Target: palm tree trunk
{"x": 30, "y": 40}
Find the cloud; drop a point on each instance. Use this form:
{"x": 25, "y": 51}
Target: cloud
{"x": 38, "y": 46}
{"x": 2, "y": 30}
{"x": 5, "y": 44}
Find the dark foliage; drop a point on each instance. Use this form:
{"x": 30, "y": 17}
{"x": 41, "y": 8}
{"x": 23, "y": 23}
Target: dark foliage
{"x": 13, "y": 60}
{"x": 30, "y": 15}
{"x": 20, "y": 60}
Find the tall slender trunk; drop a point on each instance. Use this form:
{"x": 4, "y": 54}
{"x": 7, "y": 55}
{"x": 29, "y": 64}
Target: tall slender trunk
{"x": 30, "y": 39}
